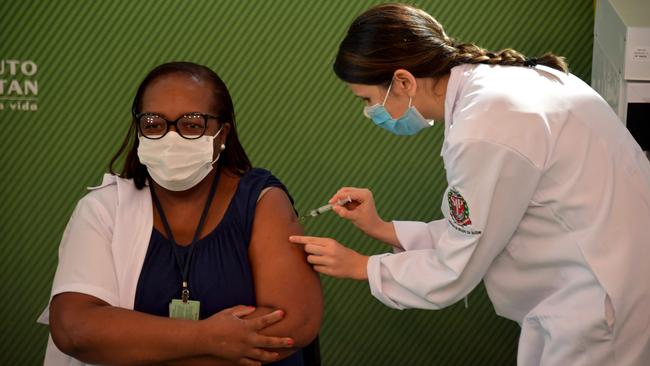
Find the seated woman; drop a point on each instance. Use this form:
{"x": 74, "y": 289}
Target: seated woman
{"x": 183, "y": 258}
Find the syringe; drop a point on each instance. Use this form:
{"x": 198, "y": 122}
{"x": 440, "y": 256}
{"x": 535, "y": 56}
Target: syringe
{"x": 328, "y": 207}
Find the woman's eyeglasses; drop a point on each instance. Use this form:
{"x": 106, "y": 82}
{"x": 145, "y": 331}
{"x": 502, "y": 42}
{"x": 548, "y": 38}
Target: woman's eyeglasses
{"x": 190, "y": 126}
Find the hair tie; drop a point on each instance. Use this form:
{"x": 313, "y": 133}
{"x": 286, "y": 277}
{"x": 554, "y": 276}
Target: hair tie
{"x": 530, "y": 62}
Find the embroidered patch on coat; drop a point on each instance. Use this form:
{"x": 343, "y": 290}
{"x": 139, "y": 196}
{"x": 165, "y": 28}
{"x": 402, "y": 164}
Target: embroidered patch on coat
{"x": 458, "y": 208}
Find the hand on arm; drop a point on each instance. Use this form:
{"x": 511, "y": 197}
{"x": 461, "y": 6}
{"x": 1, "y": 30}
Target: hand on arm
{"x": 331, "y": 258}
{"x": 92, "y": 331}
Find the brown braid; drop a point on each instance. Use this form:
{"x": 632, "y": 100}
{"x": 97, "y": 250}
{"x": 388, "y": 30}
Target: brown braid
{"x": 469, "y": 53}
{"x": 389, "y": 36}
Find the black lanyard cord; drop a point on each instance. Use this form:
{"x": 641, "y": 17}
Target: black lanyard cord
{"x": 186, "y": 266}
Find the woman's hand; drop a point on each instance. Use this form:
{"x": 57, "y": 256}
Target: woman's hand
{"x": 238, "y": 340}
{"x": 333, "y": 259}
{"x": 94, "y": 332}
{"x": 363, "y": 214}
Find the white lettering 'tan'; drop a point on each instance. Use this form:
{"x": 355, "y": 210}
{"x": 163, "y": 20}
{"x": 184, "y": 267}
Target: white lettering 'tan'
{"x": 29, "y": 87}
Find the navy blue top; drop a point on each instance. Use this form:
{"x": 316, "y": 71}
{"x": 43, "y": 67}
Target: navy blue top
{"x": 220, "y": 274}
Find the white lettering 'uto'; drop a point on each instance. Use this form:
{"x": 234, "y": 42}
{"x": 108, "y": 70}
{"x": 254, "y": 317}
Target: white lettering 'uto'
{"x": 13, "y": 67}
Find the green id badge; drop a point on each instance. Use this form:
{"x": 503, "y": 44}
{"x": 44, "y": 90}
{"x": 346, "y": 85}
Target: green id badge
{"x": 184, "y": 310}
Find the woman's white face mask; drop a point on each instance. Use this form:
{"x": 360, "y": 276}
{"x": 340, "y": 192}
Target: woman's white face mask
{"x": 176, "y": 163}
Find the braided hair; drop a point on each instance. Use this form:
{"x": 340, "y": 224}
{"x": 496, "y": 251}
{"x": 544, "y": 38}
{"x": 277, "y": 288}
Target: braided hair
{"x": 469, "y": 53}
{"x": 392, "y": 36}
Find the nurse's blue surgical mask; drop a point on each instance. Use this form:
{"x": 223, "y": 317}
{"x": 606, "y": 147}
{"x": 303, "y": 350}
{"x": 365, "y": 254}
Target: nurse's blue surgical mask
{"x": 410, "y": 123}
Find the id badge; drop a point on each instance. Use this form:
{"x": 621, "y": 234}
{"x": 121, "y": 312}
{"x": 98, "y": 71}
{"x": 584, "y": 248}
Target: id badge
{"x": 184, "y": 310}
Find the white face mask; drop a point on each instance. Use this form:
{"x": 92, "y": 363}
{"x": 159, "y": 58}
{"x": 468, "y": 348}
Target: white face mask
{"x": 176, "y": 163}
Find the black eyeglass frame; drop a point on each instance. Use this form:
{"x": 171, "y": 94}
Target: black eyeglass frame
{"x": 206, "y": 117}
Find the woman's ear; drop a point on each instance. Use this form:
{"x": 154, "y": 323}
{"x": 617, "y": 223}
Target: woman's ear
{"x": 404, "y": 83}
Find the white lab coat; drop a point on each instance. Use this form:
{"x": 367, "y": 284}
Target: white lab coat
{"x": 549, "y": 203}
{"x": 102, "y": 250}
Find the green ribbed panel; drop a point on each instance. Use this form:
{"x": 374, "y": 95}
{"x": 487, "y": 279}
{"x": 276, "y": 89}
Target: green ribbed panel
{"x": 294, "y": 117}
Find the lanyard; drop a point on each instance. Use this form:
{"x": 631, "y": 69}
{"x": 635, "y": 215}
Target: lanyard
{"x": 185, "y": 293}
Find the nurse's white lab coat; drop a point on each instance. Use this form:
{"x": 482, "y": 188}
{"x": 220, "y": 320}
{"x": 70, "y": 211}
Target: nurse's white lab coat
{"x": 549, "y": 203}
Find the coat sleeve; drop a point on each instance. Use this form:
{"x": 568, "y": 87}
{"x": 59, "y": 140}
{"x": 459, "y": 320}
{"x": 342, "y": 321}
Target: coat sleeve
{"x": 489, "y": 189}
{"x": 86, "y": 262}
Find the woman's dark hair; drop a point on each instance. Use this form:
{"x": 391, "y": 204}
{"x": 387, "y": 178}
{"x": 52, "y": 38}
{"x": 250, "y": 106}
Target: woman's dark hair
{"x": 388, "y": 37}
{"x": 233, "y": 157}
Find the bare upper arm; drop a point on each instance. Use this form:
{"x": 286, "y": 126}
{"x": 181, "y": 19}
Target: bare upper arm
{"x": 283, "y": 278}
{"x": 66, "y": 304}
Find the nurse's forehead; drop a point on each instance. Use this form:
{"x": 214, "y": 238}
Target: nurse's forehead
{"x": 363, "y": 90}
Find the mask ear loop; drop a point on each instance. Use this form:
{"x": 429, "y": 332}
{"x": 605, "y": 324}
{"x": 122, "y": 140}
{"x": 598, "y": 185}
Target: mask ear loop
{"x": 214, "y": 137}
{"x": 387, "y": 92}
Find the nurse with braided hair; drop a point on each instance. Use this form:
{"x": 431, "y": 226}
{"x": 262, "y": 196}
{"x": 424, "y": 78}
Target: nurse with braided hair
{"x": 548, "y": 196}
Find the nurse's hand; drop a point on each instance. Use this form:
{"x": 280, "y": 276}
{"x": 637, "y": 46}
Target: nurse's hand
{"x": 329, "y": 257}
{"x": 363, "y": 214}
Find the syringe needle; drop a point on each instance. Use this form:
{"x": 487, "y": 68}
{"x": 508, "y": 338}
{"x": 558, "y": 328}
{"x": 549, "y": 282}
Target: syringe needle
{"x": 328, "y": 207}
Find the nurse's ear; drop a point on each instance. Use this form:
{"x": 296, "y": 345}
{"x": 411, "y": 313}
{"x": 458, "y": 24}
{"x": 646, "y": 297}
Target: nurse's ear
{"x": 404, "y": 83}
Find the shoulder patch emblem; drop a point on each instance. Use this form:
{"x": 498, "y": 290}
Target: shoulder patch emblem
{"x": 458, "y": 208}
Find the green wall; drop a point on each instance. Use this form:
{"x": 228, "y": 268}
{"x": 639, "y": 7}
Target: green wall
{"x": 295, "y": 118}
